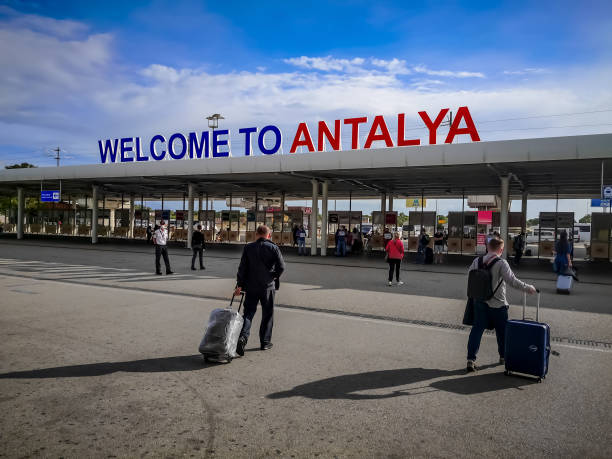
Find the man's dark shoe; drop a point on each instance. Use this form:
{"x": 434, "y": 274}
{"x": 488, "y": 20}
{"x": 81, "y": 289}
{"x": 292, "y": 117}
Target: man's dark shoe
{"x": 471, "y": 366}
{"x": 158, "y": 273}
{"x": 240, "y": 347}
{"x": 192, "y": 268}
{"x": 202, "y": 267}
{"x": 266, "y": 346}
{"x": 169, "y": 272}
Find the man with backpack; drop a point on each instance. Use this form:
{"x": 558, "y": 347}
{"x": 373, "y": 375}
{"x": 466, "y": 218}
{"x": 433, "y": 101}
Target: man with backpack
{"x": 487, "y": 280}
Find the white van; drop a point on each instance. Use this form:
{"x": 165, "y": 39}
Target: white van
{"x": 533, "y": 236}
{"x": 582, "y": 232}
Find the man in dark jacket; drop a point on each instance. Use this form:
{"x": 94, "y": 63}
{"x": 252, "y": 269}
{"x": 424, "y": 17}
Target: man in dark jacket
{"x": 260, "y": 268}
{"x": 197, "y": 246}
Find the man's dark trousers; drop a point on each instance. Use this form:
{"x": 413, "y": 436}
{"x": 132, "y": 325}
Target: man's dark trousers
{"x": 161, "y": 250}
{"x": 197, "y": 251}
{"x": 517, "y": 256}
{"x": 483, "y": 316}
{"x": 266, "y": 298}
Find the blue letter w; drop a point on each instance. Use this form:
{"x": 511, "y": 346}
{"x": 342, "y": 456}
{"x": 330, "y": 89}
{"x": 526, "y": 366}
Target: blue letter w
{"x": 109, "y": 153}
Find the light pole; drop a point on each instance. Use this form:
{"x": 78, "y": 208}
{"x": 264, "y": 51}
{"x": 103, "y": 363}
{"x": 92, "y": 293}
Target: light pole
{"x": 213, "y": 120}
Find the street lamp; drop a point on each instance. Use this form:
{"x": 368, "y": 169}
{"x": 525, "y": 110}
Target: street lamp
{"x": 213, "y": 120}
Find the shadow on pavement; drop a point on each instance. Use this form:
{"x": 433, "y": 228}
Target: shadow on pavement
{"x": 179, "y": 363}
{"x": 478, "y": 384}
{"x": 348, "y": 386}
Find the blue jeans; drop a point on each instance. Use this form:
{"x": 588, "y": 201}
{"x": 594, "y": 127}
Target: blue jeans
{"x": 483, "y": 316}
{"x": 341, "y": 247}
{"x": 301, "y": 246}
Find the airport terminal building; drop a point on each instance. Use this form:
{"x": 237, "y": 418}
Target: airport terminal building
{"x": 107, "y": 200}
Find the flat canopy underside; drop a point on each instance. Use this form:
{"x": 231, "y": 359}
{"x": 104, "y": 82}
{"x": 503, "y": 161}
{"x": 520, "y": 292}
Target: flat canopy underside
{"x": 571, "y": 179}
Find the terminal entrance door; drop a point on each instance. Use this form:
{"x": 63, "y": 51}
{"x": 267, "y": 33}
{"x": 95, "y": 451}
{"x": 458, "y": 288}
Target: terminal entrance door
{"x": 550, "y": 226}
{"x": 207, "y": 217}
{"x": 420, "y": 219}
{"x": 601, "y": 236}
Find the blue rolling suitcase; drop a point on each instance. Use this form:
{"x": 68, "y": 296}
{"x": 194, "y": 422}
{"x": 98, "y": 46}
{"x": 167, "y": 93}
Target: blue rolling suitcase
{"x": 527, "y": 348}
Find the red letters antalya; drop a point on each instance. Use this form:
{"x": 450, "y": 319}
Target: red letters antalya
{"x": 380, "y": 132}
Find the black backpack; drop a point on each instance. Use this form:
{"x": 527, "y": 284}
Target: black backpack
{"x": 480, "y": 281}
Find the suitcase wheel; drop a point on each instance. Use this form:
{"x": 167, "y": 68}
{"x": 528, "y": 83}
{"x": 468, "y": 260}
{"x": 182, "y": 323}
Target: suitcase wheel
{"x": 507, "y": 373}
{"x": 539, "y": 380}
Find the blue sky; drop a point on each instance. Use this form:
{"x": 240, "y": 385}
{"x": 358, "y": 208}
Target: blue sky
{"x": 75, "y": 72}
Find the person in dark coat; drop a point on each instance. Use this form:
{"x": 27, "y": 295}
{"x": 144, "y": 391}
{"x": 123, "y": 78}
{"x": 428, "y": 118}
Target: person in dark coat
{"x": 197, "y": 246}
{"x": 260, "y": 268}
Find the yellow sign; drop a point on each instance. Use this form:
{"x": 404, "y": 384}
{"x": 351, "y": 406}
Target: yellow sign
{"x": 415, "y": 202}
{"x": 441, "y": 220}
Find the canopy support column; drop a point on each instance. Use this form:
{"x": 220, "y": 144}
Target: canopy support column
{"x": 524, "y": 212}
{"x": 20, "y": 212}
{"x": 94, "y": 214}
{"x": 503, "y": 217}
{"x": 383, "y": 208}
{"x": 132, "y": 216}
{"x": 324, "y": 202}
{"x": 313, "y": 218}
{"x": 190, "y": 214}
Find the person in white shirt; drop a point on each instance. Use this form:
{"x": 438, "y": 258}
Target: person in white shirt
{"x": 160, "y": 239}
{"x": 494, "y": 310}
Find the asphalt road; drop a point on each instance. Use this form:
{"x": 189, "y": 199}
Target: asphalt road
{"x": 356, "y": 286}
{"x": 97, "y": 371}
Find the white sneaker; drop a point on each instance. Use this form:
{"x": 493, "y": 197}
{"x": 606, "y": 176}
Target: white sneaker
{"x": 390, "y": 284}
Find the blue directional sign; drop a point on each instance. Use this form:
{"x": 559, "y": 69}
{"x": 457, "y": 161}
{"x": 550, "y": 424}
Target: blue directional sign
{"x": 600, "y": 203}
{"x": 49, "y": 196}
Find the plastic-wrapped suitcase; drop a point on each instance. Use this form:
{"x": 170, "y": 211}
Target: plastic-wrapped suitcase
{"x": 564, "y": 284}
{"x": 221, "y": 336}
{"x": 527, "y": 348}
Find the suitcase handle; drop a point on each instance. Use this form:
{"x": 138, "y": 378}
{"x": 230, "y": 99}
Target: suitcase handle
{"x": 537, "y": 305}
{"x": 241, "y": 300}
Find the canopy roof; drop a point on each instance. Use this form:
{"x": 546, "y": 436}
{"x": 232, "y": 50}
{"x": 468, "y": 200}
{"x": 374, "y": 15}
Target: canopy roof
{"x": 570, "y": 166}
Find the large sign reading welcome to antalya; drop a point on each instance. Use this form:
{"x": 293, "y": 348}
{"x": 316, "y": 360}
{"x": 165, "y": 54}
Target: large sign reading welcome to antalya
{"x": 216, "y": 144}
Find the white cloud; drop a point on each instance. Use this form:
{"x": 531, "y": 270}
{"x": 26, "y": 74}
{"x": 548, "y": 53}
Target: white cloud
{"x": 68, "y": 91}
{"x": 447, "y": 73}
{"x": 327, "y": 63}
{"x": 394, "y": 66}
{"x": 527, "y": 71}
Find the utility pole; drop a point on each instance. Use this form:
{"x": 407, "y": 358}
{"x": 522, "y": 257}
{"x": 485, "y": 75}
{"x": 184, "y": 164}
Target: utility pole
{"x": 57, "y": 155}
{"x": 448, "y": 122}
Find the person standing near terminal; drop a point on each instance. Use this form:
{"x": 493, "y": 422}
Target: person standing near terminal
{"x": 301, "y": 240}
{"x": 395, "y": 254}
{"x": 563, "y": 254}
{"x": 341, "y": 242}
{"x": 149, "y": 234}
{"x": 260, "y": 268}
{"x": 160, "y": 239}
{"x": 518, "y": 245}
{"x": 423, "y": 242}
{"x": 438, "y": 247}
{"x": 495, "y": 309}
{"x": 197, "y": 246}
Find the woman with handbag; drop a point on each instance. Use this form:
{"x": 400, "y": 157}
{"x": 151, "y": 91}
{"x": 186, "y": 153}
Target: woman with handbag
{"x": 395, "y": 254}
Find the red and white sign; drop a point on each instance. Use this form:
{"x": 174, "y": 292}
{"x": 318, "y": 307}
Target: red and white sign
{"x": 485, "y": 217}
{"x": 380, "y": 131}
